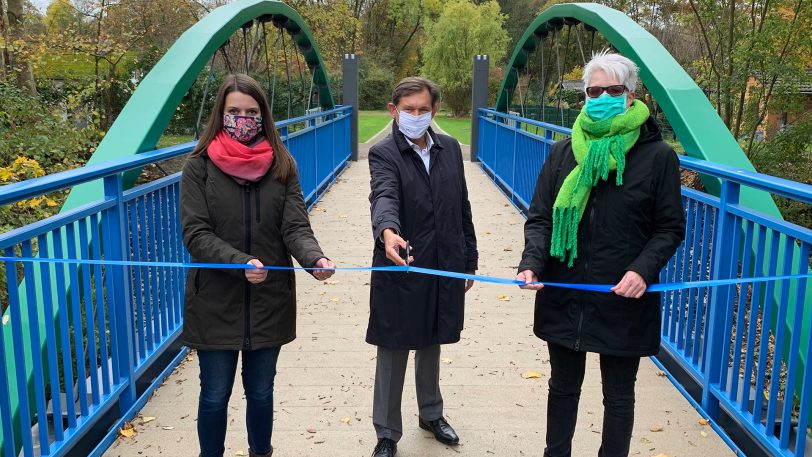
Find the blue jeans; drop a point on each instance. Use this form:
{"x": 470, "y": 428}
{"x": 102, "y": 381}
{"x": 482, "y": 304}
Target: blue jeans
{"x": 217, "y": 371}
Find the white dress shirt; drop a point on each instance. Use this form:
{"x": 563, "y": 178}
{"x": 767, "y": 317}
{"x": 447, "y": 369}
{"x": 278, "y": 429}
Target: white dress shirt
{"x": 423, "y": 153}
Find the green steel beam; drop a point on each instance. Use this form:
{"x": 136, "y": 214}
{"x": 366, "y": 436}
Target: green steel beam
{"x": 149, "y": 110}
{"x": 693, "y": 118}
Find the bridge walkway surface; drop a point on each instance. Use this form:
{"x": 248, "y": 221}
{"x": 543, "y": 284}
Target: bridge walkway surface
{"x": 323, "y": 395}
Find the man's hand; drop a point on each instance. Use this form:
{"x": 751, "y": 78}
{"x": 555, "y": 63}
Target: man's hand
{"x": 469, "y": 283}
{"x": 393, "y": 243}
{"x": 256, "y": 275}
{"x": 528, "y": 277}
{"x": 631, "y": 286}
{"x": 322, "y": 275}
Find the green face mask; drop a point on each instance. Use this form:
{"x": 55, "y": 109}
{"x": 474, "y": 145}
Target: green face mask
{"x": 605, "y": 106}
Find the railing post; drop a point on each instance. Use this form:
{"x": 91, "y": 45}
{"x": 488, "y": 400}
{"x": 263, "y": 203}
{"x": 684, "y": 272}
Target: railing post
{"x": 724, "y": 267}
{"x": 548, "y": 137}
{"x": 479, "y": 99}
{"x": 350, "y": 98}
{"x": 119, "y": 303}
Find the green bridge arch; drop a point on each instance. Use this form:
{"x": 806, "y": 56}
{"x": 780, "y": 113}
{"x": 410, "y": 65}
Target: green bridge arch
{"x": 147, "y": 113}
{"x": 694, "y": 120}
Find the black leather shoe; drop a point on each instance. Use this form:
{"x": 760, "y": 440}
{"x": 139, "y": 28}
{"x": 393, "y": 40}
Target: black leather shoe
{"x": 442, "y": 431}
{"x": 385, "y": 448}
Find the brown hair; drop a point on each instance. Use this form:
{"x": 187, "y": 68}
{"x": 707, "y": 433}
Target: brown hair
{"x": 284, "y": 166}
{"x": 413, "y": 85}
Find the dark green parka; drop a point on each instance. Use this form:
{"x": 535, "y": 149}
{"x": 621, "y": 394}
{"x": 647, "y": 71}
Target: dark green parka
{"x": 227, "y": 222}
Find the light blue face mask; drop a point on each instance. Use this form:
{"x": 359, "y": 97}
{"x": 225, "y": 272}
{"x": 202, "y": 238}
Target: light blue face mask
{"x": 605, "y": 106}
{"x": 414, "y": 127}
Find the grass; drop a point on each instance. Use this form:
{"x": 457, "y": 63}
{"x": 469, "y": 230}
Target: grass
{"x": 72, "y": 65}
{"x": 459, "y": 128}
{"x": 171, "y": 140}
{"x": 370, "y": 123}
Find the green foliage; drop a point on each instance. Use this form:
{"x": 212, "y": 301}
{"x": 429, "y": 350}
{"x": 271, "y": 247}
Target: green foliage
{"x": 752, "y": 52}
{"x": 31, "y": 128}
{"x": 788, "y": 155}
{"x": 61, "y": 15}
{"x": 462, "y": 31}
{"x": 375, "y": 85}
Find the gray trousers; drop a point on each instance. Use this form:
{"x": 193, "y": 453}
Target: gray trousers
{"x": 389, "y": 375}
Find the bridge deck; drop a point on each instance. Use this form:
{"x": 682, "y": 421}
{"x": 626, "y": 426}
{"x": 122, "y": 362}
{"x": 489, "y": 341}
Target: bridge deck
{"x": 326, "y": 375}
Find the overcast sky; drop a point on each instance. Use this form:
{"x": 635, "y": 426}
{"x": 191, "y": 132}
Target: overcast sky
{"x": 41, "y": 4}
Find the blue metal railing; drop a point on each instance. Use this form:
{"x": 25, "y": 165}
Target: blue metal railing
{"x": 90, "y": 332}
{"x": 746, "y": 345}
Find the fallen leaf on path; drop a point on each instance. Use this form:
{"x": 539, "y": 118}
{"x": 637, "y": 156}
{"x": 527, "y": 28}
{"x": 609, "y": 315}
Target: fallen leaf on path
{"x": 531, "y": 375}
{"x": 704, "y": 422}
{"x": 503, "y": 297}
{"x": 661, "y": 455}
{"x": 703, "y": 433}
{"x": 346, "y": 419}
{"x": 127, "y": 431}
{"x": 147, "y": 419}
{"x": 240, "y": 453}
{"x": 661, "y": 374}
{"x": 656, "y": 429}
{"x": 311, "y": 430}
{"x": 446, "y": 360}
{"x": 168, "y": 427}
{"x": 331, "y": 282}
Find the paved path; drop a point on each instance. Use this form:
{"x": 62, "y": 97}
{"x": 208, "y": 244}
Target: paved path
{"x": 324, "y": 386}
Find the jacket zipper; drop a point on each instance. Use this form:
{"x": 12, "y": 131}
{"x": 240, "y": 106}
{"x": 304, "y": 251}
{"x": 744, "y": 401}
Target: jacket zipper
{"x": 256, "y": 190}
{"x": 247, "y": 295}
{"x": 586, "y": 270}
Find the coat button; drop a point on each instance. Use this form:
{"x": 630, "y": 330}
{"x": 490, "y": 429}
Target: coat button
{"x": 380, "y": 218}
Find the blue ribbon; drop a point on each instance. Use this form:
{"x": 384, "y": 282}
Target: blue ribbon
{"x": 665, "y": 287}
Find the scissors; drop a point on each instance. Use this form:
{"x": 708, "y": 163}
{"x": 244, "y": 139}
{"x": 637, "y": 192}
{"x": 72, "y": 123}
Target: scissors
{"x": 408, "y": 253}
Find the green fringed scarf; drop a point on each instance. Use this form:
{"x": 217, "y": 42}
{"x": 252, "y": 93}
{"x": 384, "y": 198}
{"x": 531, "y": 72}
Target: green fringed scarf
{"x": 599, "y": 147}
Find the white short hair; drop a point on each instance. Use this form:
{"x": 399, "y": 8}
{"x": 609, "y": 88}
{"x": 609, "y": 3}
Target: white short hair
{"x": 615, "y": 66}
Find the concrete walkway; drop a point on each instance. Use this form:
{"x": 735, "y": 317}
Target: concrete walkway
{"x": 324, "y": 386}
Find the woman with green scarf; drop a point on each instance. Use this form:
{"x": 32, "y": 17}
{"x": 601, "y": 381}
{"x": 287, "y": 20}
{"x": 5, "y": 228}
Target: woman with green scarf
{"x": 606, "y": 210}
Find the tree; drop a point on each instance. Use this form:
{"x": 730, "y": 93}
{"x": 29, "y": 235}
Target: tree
{"x": 462, "y": 31}
{"x": 61, "y": 16}
{"x": 15, "y": 45}
{"x": 754, "y": 53}
{"x": 334, "y": 28}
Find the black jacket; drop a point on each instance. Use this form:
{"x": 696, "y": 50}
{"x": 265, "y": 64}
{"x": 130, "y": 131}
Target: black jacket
{"x": 432, "y": 212}
{"x": 635, "y": 227}
{"x": 225, "y": 222}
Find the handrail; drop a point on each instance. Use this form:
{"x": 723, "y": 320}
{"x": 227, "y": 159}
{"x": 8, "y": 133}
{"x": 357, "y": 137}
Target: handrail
{"x": 760, "y": 181}
{"x": 768, "y": 183}
{"x": 513, "y": 117}
{"x": 12, "y": 193}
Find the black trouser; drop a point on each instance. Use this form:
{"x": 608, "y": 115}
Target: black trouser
{"x": 618, "y": 375}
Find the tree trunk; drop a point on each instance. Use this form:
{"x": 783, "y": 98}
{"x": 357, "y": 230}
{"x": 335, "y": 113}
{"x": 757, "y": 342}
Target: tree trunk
{"x": 4, "y": 37}
{"x": 25, "y": 76}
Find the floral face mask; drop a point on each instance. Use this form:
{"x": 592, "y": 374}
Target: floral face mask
{"x": 242, "y": 128}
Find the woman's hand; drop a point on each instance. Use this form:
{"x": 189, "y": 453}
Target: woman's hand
{"x": 631, "y": 286}
{"x": 528, "y": 278}
{"x": 256, "y": 275}
{"x": 321, "y": 275}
